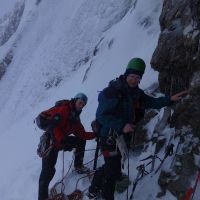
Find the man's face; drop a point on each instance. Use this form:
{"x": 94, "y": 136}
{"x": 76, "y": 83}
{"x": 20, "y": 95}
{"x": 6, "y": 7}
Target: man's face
{"x": 133, "y": 80}
{"x": 79, "y": 104}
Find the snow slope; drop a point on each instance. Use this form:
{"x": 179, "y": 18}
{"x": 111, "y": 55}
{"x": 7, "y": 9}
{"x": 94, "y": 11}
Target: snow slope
{"x": 6, "y": 6}
{"x": 60, "y": 48}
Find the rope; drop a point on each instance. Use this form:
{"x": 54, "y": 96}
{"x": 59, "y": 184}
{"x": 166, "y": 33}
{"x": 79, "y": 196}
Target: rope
{"x": 63, "y": 171}
{"x": 127, "y": 195}
{"x": 196, "y": 183}
{"x": 92, "y": 160}
{"x": 85, "y": 150}
{"x": 90, "y": 150}
{"x": 53, "y": 191}
{"x": 141, "y": 173}
{"x": 88, "y": 175}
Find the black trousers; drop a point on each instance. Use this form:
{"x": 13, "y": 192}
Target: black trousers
{"x": 48, "y": 163}
{"x": 106, "y": 176}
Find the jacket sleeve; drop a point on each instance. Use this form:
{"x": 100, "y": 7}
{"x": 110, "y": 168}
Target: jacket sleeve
{"x": 80, "y": 132}
{"x": 156, "y": 103}
{"x": 105, "y": 113}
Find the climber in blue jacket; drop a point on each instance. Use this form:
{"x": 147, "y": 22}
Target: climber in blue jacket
{"x": 121, "y": 105}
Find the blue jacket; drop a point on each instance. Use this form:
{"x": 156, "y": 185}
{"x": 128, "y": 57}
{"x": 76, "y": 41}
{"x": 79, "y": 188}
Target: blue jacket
{"x": 117, "y": 105}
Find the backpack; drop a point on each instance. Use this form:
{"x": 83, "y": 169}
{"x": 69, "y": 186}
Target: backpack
{"x": 45, "y": 120}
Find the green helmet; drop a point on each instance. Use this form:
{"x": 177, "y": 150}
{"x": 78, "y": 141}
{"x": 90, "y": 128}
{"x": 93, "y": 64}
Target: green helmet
{"x": 135, "y": 66}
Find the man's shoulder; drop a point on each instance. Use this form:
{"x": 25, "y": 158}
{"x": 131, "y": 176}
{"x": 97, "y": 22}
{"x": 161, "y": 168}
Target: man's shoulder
{"x": 140, "y": 94}
{"x": 110, "y": 92}
{"x": 117, "y": 82}
{"x": 115, "y": 88}
{"x": 63, "y": 102}
{"x": 62, "y": 106}
{"x": 141, "y": 91}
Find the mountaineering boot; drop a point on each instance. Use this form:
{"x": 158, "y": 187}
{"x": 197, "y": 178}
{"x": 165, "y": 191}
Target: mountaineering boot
{"x": 122, "y": 184}
{"x": 94, "y": 196}
{"x": 82, "y": 170}
{"x": 94, "y": 193}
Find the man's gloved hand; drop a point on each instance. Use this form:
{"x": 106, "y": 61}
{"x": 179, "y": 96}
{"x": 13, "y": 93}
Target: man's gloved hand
{"x": 178, "y": 96}
{"x": 95, "y": 126}
{"x": 122, "y": 184}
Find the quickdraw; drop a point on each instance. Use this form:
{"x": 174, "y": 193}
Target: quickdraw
{"x": 169, "y": 152}
{"x": 152, "y": 161}
{"x": 141, "y": 173}
{"x": 191, "y": 191}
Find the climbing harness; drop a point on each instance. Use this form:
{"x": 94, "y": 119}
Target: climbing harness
{"x": 127, "y": 194}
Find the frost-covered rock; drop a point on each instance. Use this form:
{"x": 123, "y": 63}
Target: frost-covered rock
{"x": 177, "y": 55}
{"x": 177, "y": 58}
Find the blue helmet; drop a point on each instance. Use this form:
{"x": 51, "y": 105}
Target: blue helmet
{"x": 81, "y": 96}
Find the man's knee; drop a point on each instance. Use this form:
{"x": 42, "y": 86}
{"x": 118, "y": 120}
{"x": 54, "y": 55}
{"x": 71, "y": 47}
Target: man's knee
{"x": 112, "y": 167}
{"x": 81, "y": 143}
{"x": 46, "y": 175}
{"x": 98, "y": 178}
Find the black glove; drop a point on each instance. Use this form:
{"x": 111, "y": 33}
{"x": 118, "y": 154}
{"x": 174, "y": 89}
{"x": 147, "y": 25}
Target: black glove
{"x": 95, "y": 126}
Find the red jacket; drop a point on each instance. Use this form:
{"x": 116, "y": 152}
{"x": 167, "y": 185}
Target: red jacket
{"x": 65, "y": 126}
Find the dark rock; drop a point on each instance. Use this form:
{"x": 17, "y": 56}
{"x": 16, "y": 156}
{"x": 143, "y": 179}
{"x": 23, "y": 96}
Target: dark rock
{"x": 13, "y": 19}
{"x": 177, "y": 59}
{"x": 177, "y": 55}
{"x": 4, "y": 64}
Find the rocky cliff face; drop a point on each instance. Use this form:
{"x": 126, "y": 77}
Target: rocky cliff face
{"x": 177, "y": 58}
{"x": 177, "y": 55}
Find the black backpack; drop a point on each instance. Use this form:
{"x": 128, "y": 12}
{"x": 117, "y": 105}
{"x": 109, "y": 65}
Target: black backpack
{"x": 45, "y": 120}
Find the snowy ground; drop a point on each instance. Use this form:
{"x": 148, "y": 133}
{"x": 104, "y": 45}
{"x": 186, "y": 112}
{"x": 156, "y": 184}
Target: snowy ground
{"x": 6, "y": 6}
{"x": 55, "y": 57}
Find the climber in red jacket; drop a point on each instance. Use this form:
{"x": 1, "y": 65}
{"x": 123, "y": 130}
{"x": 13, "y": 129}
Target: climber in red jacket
{"x": 64, "y": 121}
